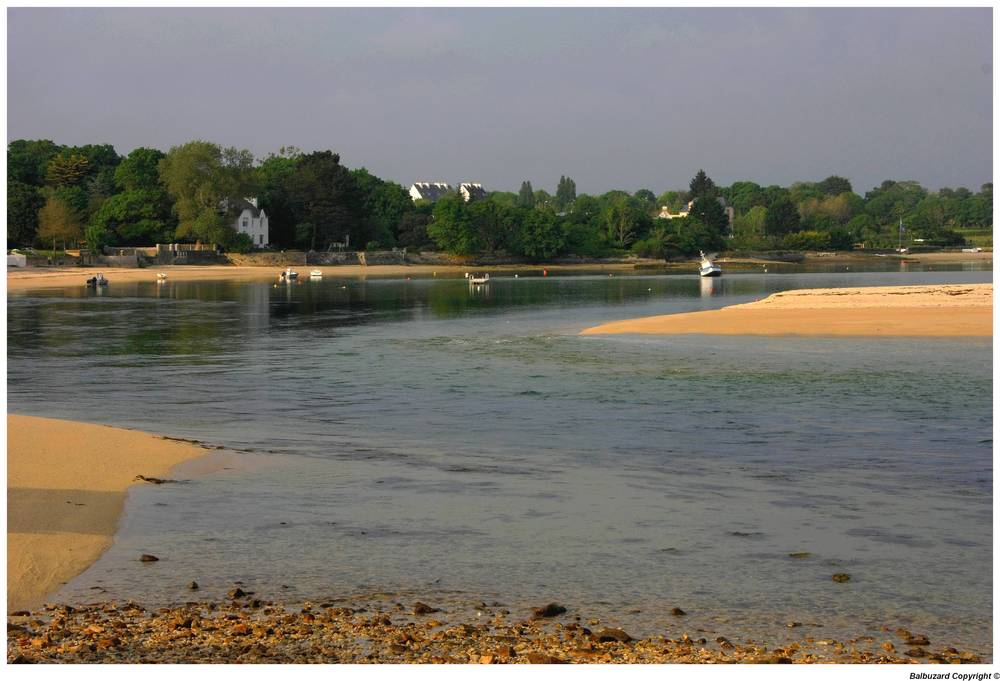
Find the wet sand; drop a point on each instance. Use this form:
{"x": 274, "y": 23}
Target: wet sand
{"x": 66, "y": 487}
{"x": 945, "y": 310}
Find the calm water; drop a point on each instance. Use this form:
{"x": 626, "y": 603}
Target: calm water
{"x": 421, "y": 438}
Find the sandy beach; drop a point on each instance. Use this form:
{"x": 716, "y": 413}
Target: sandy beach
{"x": 945, "y": 310}
{"x": 66, "y": 487}
{"x": 48, "y": 277}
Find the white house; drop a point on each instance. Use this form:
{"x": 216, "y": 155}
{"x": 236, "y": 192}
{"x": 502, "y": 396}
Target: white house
{"x": 471, "y": 190}
{"x": 253, "y": 221}
{"x": 428, "y": 191}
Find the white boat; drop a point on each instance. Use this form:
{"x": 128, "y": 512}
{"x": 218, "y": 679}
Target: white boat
{"x": 316, "y": 274}
{"x": 707, "y": 268}
{"x": 473, "y": 279}
{"x": 161, "y": 276}
{"x": 96, "y": 281}
{"x": 288, "y": 275}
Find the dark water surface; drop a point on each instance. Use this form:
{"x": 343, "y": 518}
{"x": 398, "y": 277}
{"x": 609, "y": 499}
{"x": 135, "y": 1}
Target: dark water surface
{"x": 422, "y": 438}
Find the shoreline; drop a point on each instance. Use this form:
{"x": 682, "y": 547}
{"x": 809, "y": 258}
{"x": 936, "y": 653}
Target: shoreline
{"x": 245, "y": 629}
{"x": 949, "y": 310}
{"x": 20, "y": 279}
{"x": 67, "y": 483}
{"x": 36, "y": 277}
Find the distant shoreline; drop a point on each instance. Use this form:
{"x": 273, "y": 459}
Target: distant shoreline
{"x": 20, "y": 279}
{"x": 940, "y": 310}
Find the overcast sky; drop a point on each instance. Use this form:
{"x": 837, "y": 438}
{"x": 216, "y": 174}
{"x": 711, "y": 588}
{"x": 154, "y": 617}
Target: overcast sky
{"x": 616, "y": 99}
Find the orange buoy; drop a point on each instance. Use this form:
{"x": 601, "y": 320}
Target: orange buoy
{"x": 545, "y": 273}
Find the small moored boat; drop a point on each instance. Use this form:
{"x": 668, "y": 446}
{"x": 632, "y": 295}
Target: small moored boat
{"x": 288, "y": 275}
{"x": 316, "y": 274}
{"x": 97, "y": 280}
{"x": 707, "y": 268}
{"x": 484, "y": 279}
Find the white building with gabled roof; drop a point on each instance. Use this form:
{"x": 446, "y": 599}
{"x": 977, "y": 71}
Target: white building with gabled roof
{"x": 429, "y": 191}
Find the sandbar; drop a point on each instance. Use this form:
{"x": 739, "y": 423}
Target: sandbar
{"x": 66, "y": 488}
{"x": 935, "y": 310}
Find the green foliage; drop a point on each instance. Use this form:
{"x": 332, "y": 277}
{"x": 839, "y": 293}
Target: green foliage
{"x": 702, "y": 186}
{"x": 324, "y": 196}
{"x": 750, "y": 223}
{"x": 540, "y": 234}
{"x": 240, "y": 242}
{"x": 744, "y": 195}
{"x": 139, "y": 170}
{"x": 710, "y": 213}
{"x": 646, "y": 200}
{"x": 23, "y": 203}
{"x": 691, "y": 236}
{"x": 834, "y": 185}
{"x": 452, "y": 228}
{"x": 526, "y": 196}
{"x": 67, "y": 170}
{"x": 806, "y": 241}
{"x": 28, "y": 160}
{"x": 135, "y": 218}
{"x": 565, "y": 193}
{"x": 206, "y": 183}
{"x": 781, "y": 218}
{"x": 272, "y": 174}
{"x": 59, "y": 222}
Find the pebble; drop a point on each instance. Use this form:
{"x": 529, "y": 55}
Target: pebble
{"x": 550, "y": 610}
{"x": 227, "y": 632}
{"x": 841, "y": 577}
{"x": 148, "y": 558}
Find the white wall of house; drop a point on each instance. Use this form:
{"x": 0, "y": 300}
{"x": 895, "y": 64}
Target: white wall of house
{"x": 256, "y": 227}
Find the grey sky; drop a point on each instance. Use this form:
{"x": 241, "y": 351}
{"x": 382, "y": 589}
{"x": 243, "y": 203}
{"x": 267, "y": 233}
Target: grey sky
{"x": 617, "y": 99}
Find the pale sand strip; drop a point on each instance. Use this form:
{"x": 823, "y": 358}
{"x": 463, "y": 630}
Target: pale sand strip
{"x": 19, "y": 279}
{"x": 66, "y": 486}
{"x": 945, "y": 310}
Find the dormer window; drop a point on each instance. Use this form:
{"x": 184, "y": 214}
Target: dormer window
{"x": 245, "y": 222}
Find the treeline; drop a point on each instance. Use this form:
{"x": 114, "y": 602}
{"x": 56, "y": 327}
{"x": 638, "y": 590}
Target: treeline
{"x": 68, "y": 195}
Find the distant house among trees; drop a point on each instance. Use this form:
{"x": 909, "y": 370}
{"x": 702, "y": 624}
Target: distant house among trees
{"x": 472, "y": 190}
{"x": 667, "y": 215}
{"x": 252, "y": 221}
{"x": 428, "y": 191}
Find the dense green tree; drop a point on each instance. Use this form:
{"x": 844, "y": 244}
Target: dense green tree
{"x": 834, "y": 185}
{"x": 495, "y": 224}
{"x": 452, "y": 227}
{"x": 67, "y": 170}
{"x": 751, "y": 223}
{"x": 326, "y": 202}
{"x": 673, "y": 200}
{"x": 28, "y": 160}
{"x": 622, "y": 220}
{"x": 710, "y": 213}
{"x": 58, "y": 222}
{"x": 744, "y": 195}
{"x": 412, "y": 228}
{"x": 781, "y": 218}
{"x": 892, "y": 200}
{"x": 565, "y": 193}
{"x": 526, "y": 196}
{"x": 702, "y": 186}
{"x": 646, "y": 200}
{"x": 23, "y": 203}
{"x": 139, "y": 170}
{"x": 137, "y": 217}
{"x": 206, "y": 184}
{"x": 540, "y": 234}
{"x": 383, "y": 204}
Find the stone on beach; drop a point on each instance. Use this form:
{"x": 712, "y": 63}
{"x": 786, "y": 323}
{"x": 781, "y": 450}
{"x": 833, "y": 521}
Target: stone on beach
{"x": 550, "y": 610}
{"x": 148, "y": 558}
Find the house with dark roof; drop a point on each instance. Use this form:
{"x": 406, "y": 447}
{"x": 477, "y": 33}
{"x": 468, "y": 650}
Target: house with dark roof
{"x": 428, "y": 191}
{"x": 471, "y": 190}
{"x": 252, "y": 220}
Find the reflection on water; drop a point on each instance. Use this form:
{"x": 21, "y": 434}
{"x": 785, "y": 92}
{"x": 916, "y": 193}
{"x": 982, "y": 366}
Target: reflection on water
{"x": 423, "y": 436}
